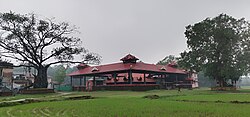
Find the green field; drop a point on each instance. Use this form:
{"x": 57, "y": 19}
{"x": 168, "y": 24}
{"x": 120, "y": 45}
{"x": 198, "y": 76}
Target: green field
{"x": 171, "y": 103}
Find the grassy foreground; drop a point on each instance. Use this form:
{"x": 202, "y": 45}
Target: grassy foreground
{"x": 188, "y": 103}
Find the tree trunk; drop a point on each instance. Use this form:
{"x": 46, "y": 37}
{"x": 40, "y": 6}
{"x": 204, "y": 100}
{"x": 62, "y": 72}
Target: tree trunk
{"x": 40, "y": 80}
{"x": 221, "y": 82}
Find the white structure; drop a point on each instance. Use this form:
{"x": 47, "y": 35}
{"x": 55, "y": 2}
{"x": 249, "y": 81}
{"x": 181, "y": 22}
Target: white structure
{"x": 195, "y": 80}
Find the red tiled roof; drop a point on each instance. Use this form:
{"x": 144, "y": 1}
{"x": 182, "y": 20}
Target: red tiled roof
{"x": 126, "y": 66}
{"x": 129, "y": 57}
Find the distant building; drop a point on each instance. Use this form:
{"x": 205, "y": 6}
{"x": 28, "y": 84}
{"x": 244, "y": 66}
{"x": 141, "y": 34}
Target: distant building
{"x": 193, "y": 79}
{"x": 28, "y": 79}
{"x": 6, "y": 72}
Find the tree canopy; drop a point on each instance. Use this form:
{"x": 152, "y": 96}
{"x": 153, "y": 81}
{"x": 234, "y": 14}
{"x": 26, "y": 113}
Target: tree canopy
{"x": 39, "y": 42}
{"x": 167, "y": 60}
{"x": 60, "y": 74}
{"x": 218, "y": 46}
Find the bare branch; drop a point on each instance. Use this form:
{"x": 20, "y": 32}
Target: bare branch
{"x": 72, "y": 62}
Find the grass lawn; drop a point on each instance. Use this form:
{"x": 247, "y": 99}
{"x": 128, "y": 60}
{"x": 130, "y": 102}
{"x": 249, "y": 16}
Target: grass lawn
{"x": 188, "y": 103}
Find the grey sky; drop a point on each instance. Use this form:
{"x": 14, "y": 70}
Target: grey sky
{"x": 148, "y": 29}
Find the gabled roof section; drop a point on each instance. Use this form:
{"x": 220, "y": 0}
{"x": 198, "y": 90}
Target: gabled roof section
{"x": 94, "y": 69}
{"x": 163, "y": 68}
{"x": 129, "y": 59}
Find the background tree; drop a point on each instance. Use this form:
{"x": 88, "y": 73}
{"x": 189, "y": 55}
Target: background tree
{"x": 39, "y": 42}
{"x": 205, "y": 81}
{"x": 168, "y": 59}
{"x": 176, "y": 60}
{"x": 60, "y": 74}
{"x": 218, "y": 46}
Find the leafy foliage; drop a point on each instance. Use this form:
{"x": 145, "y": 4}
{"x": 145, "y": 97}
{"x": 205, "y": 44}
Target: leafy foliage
{"x": 168, "y": 59}
{"x": 205, "y": 81}
{"x": 219, "y": 46}
{"x": 60, "y": 74}
{"x": 38, "y": 42}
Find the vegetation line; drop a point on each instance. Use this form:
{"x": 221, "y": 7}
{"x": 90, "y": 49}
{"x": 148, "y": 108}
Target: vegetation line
{"x": 218, "y": 101}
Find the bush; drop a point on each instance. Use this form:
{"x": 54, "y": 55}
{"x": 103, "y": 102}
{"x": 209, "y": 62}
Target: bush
{"x": 152, "y": 96}
{"x": 223, "y": 88}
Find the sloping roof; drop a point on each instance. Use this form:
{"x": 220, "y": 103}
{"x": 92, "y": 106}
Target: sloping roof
{"x": 129, "y": 57}
{"x": 126, "y": 66}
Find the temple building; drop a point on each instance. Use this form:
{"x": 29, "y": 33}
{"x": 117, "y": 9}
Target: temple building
{"x": 129, "y": 74}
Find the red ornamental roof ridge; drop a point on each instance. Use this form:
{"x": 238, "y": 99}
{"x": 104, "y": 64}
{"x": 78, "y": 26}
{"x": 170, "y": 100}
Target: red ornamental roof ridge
{"x": 129, "y": 57}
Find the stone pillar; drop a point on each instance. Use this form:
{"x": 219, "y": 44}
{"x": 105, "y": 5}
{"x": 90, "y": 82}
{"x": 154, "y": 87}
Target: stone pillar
{"x": 130, "y": 77}
{"x": 81, "y": 81}
{"x": 114, "y": 75}
{"x": 165, "y": 81}
{"x": 71, "y": 82}
{"x": 144, "y": 77}
{"x": 94, "y": 84}
{"x": 85, "y": 81}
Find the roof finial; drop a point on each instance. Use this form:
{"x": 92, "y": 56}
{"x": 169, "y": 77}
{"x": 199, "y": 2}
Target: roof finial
{"x": 129, "y": 59}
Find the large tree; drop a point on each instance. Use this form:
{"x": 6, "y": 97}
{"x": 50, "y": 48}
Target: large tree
{"x": 218, "y": 46}
{"x": 40, "y": 43}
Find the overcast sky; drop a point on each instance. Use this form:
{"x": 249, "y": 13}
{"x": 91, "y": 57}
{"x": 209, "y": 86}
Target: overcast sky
{"x": 148, "y": 29}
